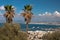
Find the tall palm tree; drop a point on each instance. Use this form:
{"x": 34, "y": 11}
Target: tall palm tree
{"x": 9, "y": 14}
{"x": 27, "y": 15}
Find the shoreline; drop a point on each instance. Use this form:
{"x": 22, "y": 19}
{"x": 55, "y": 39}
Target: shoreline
{"x": 37, "y": 35}
{"x": 47, "y": 23}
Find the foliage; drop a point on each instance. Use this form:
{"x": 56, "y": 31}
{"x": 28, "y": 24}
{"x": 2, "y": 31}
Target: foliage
{"x": 28, "y": 7}
{"x": 8, "y": 7}
{"x": 52, "y": 36}
{"x": 27, "y": 15}
{"x": 9, "y": 14}
{"x": 11, "y": 31}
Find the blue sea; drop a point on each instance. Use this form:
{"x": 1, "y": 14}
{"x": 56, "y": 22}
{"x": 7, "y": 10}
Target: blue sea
{"x": 34, "y": 27}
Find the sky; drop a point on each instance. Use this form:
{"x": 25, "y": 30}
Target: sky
{"x": 39, "y": 6}
{"x": 44, "y": 10}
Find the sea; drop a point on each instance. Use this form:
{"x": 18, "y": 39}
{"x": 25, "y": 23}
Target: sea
{"x": 34, "y": 27}
{"x": 42, "y": 27}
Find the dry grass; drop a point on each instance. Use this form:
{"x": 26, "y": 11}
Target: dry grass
{"x": 52, "y": 36}
{"x": 12, "y": 32}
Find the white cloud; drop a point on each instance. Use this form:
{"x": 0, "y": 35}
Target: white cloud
{"x": 40, "y": 14}
{"x": 56, "y": 13}
{"x": 45, "y": 14}
{"x": 13, "y": 7}
{"x": 21, "y": 11}
{"x": 2, "y": 8}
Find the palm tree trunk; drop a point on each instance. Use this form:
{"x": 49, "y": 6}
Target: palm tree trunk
{"x": 27, "y": 28}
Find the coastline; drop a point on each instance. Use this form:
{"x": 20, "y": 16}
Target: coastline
{"x": 37, "y": 35}
{"x": 46, "y": 23}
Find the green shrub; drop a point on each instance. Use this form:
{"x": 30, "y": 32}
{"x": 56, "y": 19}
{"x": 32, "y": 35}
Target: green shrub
{"x": 52, "y": 36}
{"x": 12, "y": 32}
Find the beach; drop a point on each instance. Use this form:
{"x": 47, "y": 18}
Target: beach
{"x": 37, "y": 35}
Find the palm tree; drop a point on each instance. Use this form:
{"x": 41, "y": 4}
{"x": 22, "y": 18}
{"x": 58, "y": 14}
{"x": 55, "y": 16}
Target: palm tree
{"x": 27, "y": 15}
{"x": 9, "y": 14}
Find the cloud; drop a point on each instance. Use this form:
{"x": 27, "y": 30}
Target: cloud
{"x": 56, "y": 13}
{"x": 40, "y": 14}
{"x": 47, "y": 17}
{"x": 14, "y": 8}
{"x": 45, "y": 14}
{"x": 2, "y": 8}
{"x": 22, "y": 11}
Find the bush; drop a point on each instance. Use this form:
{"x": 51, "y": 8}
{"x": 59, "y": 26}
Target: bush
{"x": 12, "y": 32}
{"x": 52, "y": 36}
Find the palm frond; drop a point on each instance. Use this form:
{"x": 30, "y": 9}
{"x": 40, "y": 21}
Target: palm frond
{"x": 28, "y": 7}
{"x": 8, "y": 7}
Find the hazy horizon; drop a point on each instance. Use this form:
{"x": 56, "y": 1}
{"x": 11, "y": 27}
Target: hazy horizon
{"x": 46, "y": 17}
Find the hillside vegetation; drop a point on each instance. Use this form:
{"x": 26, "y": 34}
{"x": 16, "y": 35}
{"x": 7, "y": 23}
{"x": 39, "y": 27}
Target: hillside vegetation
{"x": 52, "y": 36}
{"x": 11, "y": 31}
